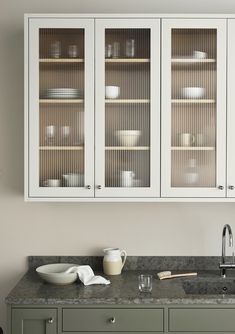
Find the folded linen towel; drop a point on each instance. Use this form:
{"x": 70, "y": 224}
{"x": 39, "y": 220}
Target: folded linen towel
{"x": 87, "y": 276}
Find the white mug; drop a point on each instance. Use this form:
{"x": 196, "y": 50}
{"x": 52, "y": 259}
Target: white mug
{"x": 127, "y": 178}
{"x": 52, "y": 183}
{"x": 186, "y": 139}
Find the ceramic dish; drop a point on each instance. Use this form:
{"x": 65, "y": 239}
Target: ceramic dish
{"x": 55, "y": 273}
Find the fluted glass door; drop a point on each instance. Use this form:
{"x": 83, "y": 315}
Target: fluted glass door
{"x": 61, "y": 108}
{"x": 194, "y": 109}
{"x": 127, "y": 115}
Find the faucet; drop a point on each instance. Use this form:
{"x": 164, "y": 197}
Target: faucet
{"x": 226, "y": 265}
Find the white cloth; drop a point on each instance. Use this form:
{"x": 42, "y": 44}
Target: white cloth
{"x": 87, "y": 276}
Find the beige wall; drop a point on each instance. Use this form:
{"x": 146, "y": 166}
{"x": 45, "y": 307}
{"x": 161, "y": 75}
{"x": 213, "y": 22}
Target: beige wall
{"x": 79, "y": 229}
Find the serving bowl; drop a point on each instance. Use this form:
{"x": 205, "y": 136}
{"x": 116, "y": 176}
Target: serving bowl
{"x": 193, "y": 92}
{"x": 112, "y": 92}
{"x": 128, "y": 137}
{"x": 55, "y": 273}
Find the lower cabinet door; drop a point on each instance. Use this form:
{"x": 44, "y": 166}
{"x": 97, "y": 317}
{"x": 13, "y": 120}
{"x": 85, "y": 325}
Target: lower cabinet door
{"x": 202, "y": 320}
{"x": 34, "y": 321}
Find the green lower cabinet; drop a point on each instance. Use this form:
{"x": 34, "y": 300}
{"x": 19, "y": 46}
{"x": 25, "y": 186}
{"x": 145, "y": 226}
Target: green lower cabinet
{"x": 201, "y": 320}
{"x": 113, "y": 320}
{"x": 34, "y": 321}
{"x": 121, "y": 319}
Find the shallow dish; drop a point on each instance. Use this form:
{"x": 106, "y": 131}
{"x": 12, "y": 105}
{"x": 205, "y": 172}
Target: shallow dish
{"x": 55, "y": 273}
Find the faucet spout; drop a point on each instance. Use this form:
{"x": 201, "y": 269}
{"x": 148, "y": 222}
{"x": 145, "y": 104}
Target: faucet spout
{"x": 226, "y": 228}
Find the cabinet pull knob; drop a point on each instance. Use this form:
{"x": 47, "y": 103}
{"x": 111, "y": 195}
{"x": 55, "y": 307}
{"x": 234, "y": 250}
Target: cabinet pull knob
{"x": 220, "y": 187}
{"x": 88, "y": 187}
{"x": 231, "y": 187}
{"x": 50, "y": 321}
{"x": 99, "y": 186}
{"x": 112, "y": 320}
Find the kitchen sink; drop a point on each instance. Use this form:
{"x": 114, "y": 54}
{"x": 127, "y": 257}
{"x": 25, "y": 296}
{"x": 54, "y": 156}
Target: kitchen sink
{"x": 208, "y": 287}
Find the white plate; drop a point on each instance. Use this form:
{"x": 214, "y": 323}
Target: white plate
{"x": 55, "y": 273}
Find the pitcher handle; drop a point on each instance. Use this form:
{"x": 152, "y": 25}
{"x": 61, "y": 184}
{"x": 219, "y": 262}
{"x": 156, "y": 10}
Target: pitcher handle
{"x": 124, "y": 254}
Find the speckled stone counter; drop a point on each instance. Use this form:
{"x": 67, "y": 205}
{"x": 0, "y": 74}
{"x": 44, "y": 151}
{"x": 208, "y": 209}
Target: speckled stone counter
{"x": 123, "y": 289}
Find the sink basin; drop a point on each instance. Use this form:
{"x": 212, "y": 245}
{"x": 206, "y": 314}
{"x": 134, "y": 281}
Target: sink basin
{"x": 208, "y": 287}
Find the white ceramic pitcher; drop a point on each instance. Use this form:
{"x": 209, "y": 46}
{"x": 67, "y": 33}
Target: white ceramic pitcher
{"x": 112, "y": 262}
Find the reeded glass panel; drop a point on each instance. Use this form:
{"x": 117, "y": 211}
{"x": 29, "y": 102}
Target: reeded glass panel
{"x": 127, "y": 107}
{"x": 61, "y": 84}
{"x": 193, "y": 111}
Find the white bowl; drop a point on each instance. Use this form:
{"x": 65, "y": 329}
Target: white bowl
{"x": 199, "y": 54}
{"x": 55, "y": 273}
{"x": 193, "y": 92}
{"x": 112, "y": 92}
{"x": 73, "y": 179}
{"x": 128, "y": 137}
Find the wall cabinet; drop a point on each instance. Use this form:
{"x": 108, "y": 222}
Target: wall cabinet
{"x": 129, "y": 108}
{"x": 193, "y": 108}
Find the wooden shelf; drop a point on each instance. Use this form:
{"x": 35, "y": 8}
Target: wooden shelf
{"x": 193, "y": 60}
{"x": 193, "y": 148}
{"x": 127, "y": 60}
{"x": 61, "y": 148}
{"x": 61, "y": 60}
{"x": 48, "y": 101}
{"x": 202, "y": 101}
{"x": 128, "y": 101}
{"x": 127, "y": 148}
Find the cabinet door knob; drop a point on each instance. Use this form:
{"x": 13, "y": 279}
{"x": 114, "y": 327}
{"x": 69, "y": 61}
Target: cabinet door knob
{"x": 112, "y": 320}
{"x": 50, "y": 321}
{"x": 88, "y": 187}
{"x": 231, "y": 187}
{"x": 99, "y": 186}
{"x": 220, "y": 187}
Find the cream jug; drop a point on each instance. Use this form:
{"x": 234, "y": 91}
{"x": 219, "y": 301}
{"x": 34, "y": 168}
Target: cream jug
{"x": 112, "y": 262}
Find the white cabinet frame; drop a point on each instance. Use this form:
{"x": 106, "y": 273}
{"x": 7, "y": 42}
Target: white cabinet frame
{"x": 166, "y": 189}
{"x": 154, "y": 189}
{"x": 231, "y": 111}
{"x": 32, "y": 189}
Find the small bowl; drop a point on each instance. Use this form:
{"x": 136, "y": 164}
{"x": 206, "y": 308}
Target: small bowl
{"x": 199, "y": 54}
{"x": 193, "y": 92}
{"x": 128, "y": 137}
{"x": 112, "y": 92}
{"x": 55, "y": 273}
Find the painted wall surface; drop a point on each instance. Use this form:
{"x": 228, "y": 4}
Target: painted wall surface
{"x": 84, "y": 229}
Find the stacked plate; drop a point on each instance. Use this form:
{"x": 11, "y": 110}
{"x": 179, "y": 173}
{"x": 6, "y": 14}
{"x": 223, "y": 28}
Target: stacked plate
{"x": 63, "y": 93}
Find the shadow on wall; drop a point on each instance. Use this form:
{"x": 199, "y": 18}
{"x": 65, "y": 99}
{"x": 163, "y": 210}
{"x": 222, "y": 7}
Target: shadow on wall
{"x": 13, "y": 129}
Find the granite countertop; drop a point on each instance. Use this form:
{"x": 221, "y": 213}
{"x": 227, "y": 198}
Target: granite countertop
{"x": 123, "y": 290}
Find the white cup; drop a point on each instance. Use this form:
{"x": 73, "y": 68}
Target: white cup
{"x": 127, "y": 178}
{"x": 186, "y": 139}
{"x": 52, "y": 183}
